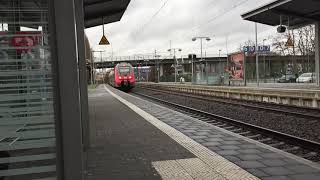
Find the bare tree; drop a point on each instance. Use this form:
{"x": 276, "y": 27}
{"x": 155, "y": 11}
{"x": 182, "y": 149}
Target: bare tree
{"x": 306, "y": 43}
{"x": 303, "y": 41}
{"x": 279, "y": 44}
{"x": 249, "y": 42}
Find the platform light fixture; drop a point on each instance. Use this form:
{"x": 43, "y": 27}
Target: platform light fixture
{"x": 175, "y": 61}
{"x": 207, "y": 39}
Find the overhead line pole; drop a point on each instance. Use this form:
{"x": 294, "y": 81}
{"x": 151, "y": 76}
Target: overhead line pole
{"x": 206, "y": 68}
{"x": 100, "y": 59}
{"x": 317, "y": 52}
{"x": 257, "y": 55}
{"x": 175, "y": 61}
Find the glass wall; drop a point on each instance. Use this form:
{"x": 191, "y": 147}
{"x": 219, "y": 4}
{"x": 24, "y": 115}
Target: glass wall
{"x": 27, "y": 131}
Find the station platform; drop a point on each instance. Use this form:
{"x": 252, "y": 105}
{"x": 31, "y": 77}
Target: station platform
{"x": 262, "y": 85}
{"x": 132, "y": 138}
{"x": 303, "y": 95}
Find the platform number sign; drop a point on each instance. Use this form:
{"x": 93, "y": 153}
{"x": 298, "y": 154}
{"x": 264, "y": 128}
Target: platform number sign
{"x": 252, "y": 49}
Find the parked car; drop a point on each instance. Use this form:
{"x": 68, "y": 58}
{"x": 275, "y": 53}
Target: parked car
{"x": 287, "y": 78}
{"x": 306, "y": 78}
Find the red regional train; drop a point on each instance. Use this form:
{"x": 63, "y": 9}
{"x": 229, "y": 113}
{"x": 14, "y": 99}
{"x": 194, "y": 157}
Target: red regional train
{"x": 122, "y": 76}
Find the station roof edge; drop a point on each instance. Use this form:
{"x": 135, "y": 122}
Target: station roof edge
{"x": 97, "y": 12}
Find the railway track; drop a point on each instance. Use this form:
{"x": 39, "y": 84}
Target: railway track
{"x": 299, "y": 146}
{"x": 313, "y": 114}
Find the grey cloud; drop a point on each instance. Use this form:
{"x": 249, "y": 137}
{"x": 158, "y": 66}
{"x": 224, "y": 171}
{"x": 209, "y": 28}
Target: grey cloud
{"x": 177, "y": 22}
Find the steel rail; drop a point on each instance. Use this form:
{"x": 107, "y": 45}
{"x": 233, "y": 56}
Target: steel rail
{"x": 290, "y": 139}
{"x": 241, "y": 104}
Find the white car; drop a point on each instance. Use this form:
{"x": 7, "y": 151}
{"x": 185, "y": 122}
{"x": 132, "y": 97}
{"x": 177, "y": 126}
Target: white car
{"x": 306, "y": 78}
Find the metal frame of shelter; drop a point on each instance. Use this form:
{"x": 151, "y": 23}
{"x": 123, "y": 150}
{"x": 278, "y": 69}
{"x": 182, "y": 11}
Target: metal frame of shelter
{"x": 70, "y": 19}
{"x": 296, "y": 14}
{"x": 66, "y": 21}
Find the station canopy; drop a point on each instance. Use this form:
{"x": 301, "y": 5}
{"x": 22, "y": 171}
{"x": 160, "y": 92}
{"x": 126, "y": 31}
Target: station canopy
{"x": 108, "y": 10}
{"x": 94, "y": 11}
{"x": 295, "y": 13}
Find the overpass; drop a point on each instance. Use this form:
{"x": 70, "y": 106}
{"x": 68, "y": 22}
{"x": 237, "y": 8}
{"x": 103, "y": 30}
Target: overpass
{"x": 154, "y": 61}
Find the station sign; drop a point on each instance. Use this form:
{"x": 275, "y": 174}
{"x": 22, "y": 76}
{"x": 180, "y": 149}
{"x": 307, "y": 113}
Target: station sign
{"x": 144, "y": 70}
{"x": 252, "y": 49}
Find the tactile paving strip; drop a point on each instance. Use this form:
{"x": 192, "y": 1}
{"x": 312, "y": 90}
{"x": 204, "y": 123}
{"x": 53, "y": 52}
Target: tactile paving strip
{"x": 183, "y": 169}
{"x": 217, "y": 163}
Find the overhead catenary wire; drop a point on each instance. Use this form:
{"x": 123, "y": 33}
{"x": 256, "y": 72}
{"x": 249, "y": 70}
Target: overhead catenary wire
{"x": 197, "y": 26}
{"x": 217, "y": 16}
{"x": 152, "y": 17}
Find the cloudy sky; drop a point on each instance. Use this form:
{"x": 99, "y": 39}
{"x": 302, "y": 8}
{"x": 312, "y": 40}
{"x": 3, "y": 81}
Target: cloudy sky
{"x": 142, "y": 30}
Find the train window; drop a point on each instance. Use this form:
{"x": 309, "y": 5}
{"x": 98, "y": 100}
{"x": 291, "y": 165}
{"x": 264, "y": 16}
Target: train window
{"x": 124, "y": 70}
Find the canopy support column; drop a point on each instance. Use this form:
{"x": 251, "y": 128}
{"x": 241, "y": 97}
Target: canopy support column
{"x": 317, "y": 51}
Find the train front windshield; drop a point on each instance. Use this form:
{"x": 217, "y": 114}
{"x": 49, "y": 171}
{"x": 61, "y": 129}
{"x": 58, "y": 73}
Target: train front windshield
{"x": 124, "y": 70}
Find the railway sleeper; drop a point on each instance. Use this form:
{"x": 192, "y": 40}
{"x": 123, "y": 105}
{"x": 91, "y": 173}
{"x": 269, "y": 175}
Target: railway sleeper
{"x": 237, "y": 130}
{"x": 277, "y": 144}
{"x": 254, "y": 136}
{"x": 196, "y": 116}
{"x": 310, "y": 155}
{"x": 222, "y": 125}
{"x": 204, "y": 119}
{"x": 291, "y": 149}
{"x": 211, "y": 121}
{"x": 265, "y": 140}
{"x": 217, "y": 123}
{"x": 229, "y": 127}
{"x": 244, "y": 133}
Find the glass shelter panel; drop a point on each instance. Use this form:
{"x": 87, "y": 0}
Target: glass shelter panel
{"x": 27, "y": 130}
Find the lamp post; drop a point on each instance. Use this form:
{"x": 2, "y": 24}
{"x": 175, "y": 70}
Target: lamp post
{"x": 264, "y": 62}
{"x": 220, "y": 61}
{"x": 175, "y": 61}
{"x": 157, "y": 65}
{"x": 257, "y": 55}
{"x": 207, "y": 39}
{"x": 147, "y": 69}
{"x": 192, "y": 71}
{"x": 88, "y": 63}
{"x": 92, "y": 68}
{"x": 100, "y": 60}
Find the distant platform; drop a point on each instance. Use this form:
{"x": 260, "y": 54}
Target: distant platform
{"x": 291, "y": 86}
{"x": 306, "y": 95}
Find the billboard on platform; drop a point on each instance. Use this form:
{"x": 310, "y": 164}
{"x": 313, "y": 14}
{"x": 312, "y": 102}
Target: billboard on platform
{"x": 236, "y": 66}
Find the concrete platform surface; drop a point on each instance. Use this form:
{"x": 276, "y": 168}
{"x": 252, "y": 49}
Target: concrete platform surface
{"x": 128, "y": 143}
{"x": 123, "y": 146}
{"x": 133, "y": 138}
{"x": 260, "y": 160}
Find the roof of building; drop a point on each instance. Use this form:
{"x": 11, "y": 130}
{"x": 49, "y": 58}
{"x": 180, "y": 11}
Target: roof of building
{"x": 295, "y": 13}
{"x": 97, "y": 12}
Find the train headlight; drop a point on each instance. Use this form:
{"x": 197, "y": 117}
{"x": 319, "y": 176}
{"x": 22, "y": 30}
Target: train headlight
{"x": 130, "y": 77}
{"x": 120, "y": 77}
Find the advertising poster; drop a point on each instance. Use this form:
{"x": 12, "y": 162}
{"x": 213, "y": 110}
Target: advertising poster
{"x": 236, "y": 66}
{"x": 24, "y": 41}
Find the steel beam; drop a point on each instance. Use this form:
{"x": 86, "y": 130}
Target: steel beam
{"x": 317, "y": 51}
{"x": 67, "y": 97}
